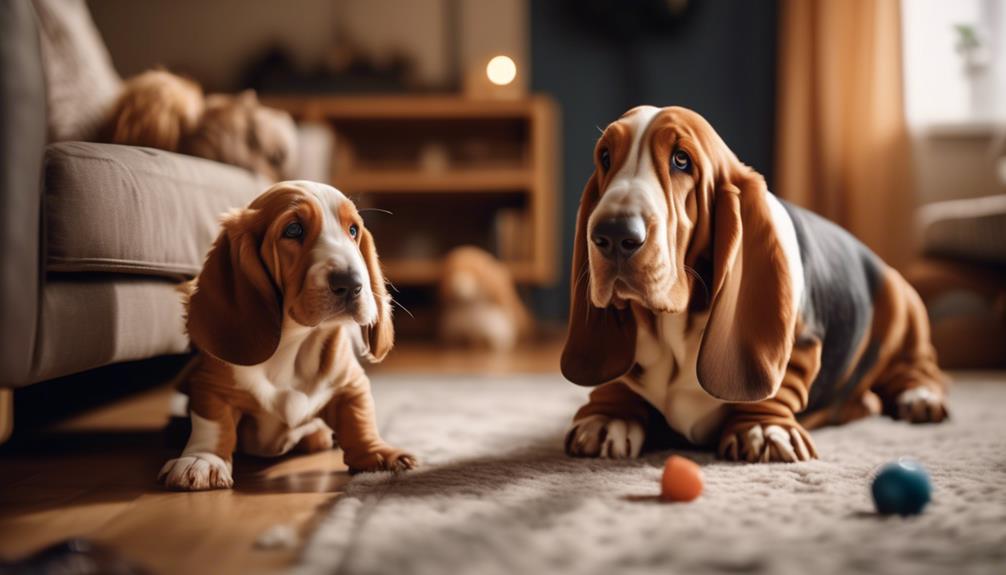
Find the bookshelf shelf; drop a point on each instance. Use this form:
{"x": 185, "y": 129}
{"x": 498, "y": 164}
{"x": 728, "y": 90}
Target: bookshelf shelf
{"x": 418, "y": 272}
{"x": 418, "y": 181}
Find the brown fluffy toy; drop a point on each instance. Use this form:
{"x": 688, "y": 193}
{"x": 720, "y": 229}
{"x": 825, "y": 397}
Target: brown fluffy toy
{"x": 158, "y": 109}
{"x": 479, "y": 302}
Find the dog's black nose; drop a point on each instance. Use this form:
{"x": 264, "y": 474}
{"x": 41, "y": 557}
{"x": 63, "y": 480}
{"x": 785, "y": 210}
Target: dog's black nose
{"x": 619, "y": 237}
{"x": 345, "y": 285}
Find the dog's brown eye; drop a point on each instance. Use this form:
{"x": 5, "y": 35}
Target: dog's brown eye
{"x": 605, "y": 159}
{"x": 681, "y": 161}
{"x": 293, "y": 230}
{"x": 353, "y": 231}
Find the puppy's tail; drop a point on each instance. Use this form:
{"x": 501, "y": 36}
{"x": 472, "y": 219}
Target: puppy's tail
{"x": 156, "y": 109}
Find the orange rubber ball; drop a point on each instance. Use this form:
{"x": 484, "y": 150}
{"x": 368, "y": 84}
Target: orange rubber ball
{"x": 681, "y": 481}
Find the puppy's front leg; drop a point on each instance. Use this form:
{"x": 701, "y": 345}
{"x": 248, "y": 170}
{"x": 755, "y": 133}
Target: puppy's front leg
{"x": 206, "y": 461}
{"x": 351, "y": 414}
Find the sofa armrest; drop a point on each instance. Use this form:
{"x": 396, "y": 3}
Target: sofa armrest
{"x": 22, "y": 144}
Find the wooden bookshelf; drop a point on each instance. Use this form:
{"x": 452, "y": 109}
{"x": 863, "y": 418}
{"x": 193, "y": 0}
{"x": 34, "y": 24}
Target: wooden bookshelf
{"x": 453, "y": 171}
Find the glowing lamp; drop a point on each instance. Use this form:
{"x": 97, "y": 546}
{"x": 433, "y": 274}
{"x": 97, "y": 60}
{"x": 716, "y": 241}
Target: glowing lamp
{"x": 501, "y": 70}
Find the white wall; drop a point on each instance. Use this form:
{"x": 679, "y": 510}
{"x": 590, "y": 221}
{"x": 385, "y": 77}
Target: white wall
{"x": 212, "y": 40}
{"x": 494, "y": 27}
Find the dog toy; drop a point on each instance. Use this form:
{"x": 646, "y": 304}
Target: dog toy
{"x": 901, "y": 487}
{"x": 681, "y": 481}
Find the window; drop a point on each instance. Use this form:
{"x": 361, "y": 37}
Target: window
{"x": 955, "y": 61}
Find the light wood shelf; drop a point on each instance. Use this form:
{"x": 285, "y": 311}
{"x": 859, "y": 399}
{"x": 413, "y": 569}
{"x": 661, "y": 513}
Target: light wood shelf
{"x": 417, "y": 181}
{"x": 413, "y": 272}
{"x": 404, "y": 107}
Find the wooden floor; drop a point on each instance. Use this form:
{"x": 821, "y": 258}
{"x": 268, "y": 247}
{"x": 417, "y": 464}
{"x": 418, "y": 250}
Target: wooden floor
{"x": 93, "y": 477}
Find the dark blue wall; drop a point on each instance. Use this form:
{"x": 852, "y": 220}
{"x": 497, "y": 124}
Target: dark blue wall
{"x": 719, "y": 60}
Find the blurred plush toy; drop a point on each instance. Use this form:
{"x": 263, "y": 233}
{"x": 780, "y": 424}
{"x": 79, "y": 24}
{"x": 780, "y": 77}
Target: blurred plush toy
{"x": 158, "y": 109}
{"x": 479, "y": 305}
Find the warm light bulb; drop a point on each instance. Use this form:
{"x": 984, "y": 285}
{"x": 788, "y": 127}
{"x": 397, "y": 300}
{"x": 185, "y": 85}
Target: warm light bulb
{"x": 501, "y": 70}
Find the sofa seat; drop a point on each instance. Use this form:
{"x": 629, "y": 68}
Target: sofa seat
{"x": 93, "y": 320}
{"x": 962, "y": 280}
{"x": 972, "y": 229}
{"x": 128, "y": 210}
{"x": 123, "y": 227}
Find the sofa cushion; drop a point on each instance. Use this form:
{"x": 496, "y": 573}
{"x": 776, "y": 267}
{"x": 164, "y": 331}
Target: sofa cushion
{"x": 90, "y": 321}
{"x": 123, "y": 209}
{"x": 972, "y": 229}
{"x": 81, "y": 82}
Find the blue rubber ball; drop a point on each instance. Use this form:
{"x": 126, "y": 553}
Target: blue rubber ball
{"x": 901, "y": 487}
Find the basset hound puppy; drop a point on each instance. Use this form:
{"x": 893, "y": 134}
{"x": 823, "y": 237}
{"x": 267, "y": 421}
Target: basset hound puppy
{"x": 701, "y": 299}
{"x": 290, "y": 293}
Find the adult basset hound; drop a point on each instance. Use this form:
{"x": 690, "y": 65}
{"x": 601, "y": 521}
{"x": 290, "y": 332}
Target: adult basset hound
{"x": 290, "y": 292}
{"x": 742, "y": 320}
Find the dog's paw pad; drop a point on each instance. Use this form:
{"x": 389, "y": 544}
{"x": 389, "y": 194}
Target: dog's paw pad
{"x": 196, "y": 472}
{"x": 605, "y": 437}
{"x": 921, "y": 405}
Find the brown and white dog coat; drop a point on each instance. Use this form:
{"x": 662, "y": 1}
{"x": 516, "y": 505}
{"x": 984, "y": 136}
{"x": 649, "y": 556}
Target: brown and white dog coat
{"x": 740, "y": 319}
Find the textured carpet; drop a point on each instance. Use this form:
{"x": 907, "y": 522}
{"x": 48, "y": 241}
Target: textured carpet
{"x": 497, "y": 495}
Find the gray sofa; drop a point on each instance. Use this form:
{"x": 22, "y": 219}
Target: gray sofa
{"x": 95, "y": 238}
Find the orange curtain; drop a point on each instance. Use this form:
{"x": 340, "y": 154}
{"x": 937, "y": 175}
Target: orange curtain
{"x": 842, "y": 144}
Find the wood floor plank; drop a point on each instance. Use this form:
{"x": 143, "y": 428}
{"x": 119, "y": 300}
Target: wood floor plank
{"x": 114, "y": 500}
{"x": 93, "y": 476}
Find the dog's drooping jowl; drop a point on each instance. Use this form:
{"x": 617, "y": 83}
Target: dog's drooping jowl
{"x": 290, "y": 296}
{"x": 740, "y": 319}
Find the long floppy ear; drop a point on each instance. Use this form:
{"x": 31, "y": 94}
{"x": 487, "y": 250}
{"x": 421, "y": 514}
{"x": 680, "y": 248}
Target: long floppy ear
{"x": 600, "y": 343}
{"x": 380, "y": 335}
{"x": 749, "y": 335}
{"x": 236, "y": 311}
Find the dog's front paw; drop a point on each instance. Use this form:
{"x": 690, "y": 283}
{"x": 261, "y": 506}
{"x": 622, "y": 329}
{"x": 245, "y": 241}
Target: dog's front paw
{"x": 921, "y": 405}
{"x": 606, "y": 437}
{"x": 384, "y": 458}
{"x": 787, "y": 443}
{"x": 196, "y": 472}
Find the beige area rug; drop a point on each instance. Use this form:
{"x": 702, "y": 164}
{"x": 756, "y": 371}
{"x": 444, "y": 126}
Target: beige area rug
{"x": 497, "y": 495}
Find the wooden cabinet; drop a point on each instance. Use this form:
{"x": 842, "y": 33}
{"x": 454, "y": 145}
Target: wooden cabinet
{"x": 436, "y": 172}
